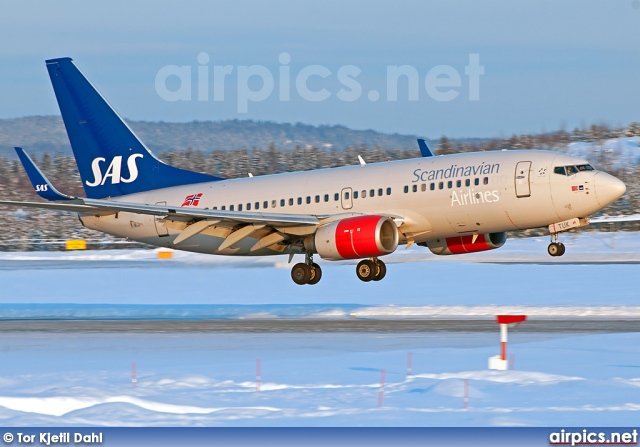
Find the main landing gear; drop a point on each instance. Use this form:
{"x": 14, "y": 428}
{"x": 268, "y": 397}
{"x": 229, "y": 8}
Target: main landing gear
{"x": 555, "y": 248}
{"x": 371, "y": 270}
{"x": 307, "y": 272}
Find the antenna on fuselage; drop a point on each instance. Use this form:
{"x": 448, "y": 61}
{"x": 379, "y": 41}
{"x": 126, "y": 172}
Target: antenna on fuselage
{"x": 362, "y": 162}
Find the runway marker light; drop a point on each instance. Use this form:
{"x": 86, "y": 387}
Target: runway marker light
{"x": 76, "y": 245}
{"x": 162, "y": 254}
{"x": 499, "y": 362}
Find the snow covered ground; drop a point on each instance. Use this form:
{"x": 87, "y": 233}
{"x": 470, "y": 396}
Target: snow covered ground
{"x": 322, "y": 379}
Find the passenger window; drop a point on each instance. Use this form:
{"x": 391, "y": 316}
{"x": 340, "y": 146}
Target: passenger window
{"x": 415, "y": 188}
{"x": 559, "y": 170}
{"x": 372, "y": 192}
{"x": 308, "y": 200}
{"x": 346, "y": 195}
{"x": 336, "y": 197}
{"x": 317, "y": 199}
{"x": 248, "y": 207}
{"x": 222, "y": 208}
{"x": 423, "y": 187}
{"x": 326, "y": 197}
{"x": 467, "y": 182}
{"x": 380, "y": 192}
{"x": 449, "y": 184}
{"x": 476, "y": 181}
{"x": 215, "y": 208}
{"x": 230, "y": 207}
{"x": 290, "y": 202}
{"x": 432, "y": 187}
{"x": 364, "y": 193}
{"x": 240, "y": 207}
{"x": 355, "y": 194}
{"x": 281, "y": 202}
{"x": 299, "y": 200}
{"x": 406, "y": 189}
{"x": 486, "y": 180}
{"x": 265, "y": 205}
{"x": 388, "y": 191}
{"x": 458, "y": 183}
{"x": 257, "y": 205}
{"x": 441, "y": 185}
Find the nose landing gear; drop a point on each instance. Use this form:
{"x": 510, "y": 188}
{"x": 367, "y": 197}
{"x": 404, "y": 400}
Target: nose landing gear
{"x": 307, "y": 272}
{"x": 371, "y": 270}
{"x": 555, "y": 248}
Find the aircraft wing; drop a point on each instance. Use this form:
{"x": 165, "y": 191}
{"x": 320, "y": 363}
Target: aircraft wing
{"x": 103, "y": 207}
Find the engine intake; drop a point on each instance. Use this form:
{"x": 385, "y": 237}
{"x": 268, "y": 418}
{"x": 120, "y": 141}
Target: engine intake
{"x": 354, "y": 238}
{"x": 465, "y": 244}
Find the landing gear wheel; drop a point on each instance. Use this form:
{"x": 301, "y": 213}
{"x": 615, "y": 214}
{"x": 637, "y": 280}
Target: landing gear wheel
{"x": 316, "y": 274}
{"x": 366, "y": 270}
{"x": 555, "y": 249}
{"x": 301, "y": 273}
{"x": 381, "y": 271}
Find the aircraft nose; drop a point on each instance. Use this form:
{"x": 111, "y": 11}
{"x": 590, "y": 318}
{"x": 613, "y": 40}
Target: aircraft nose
{"x": 608, "y": 188}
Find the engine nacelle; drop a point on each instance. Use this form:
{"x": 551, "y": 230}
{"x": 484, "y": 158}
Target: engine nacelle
{"x": 465, "y": 244}
{"x": 354, "y": 238}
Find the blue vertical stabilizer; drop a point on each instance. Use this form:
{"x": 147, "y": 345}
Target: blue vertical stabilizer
{"x": 111, "y": 159}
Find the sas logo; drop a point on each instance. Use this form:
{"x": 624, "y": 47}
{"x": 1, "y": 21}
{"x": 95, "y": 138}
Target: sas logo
{"x": 114, "y": 170}
{"x": 192, "y": 200}
{"x": 42, "y": 188}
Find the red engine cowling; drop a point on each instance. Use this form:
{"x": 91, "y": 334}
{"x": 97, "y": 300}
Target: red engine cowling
{"x": 354, "y": 238}
{"x": 466, "y": 244}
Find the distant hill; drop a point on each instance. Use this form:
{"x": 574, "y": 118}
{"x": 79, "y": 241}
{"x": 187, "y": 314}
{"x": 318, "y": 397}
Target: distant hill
{"x": 40, "y": 134}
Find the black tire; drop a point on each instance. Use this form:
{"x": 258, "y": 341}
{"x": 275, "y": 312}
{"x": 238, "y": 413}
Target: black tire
{"x": 381, "y": 271}
{"x": 553, "y": 249}
{"x": 316, "y": 274}
{"x": 366, "y": 270}
{"x": 562, "y": 249}
{"x": 301, "y": 273}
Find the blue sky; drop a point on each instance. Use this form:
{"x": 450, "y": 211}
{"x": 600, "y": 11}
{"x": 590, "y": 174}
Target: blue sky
{"x": 547, "y": 65}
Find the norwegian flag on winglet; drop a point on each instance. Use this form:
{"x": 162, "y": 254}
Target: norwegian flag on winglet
{"x": 192, "y": 200}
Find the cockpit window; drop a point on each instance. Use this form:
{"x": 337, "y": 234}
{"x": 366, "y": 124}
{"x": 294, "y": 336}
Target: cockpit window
{"x": 559, "y": 170}
{"x": 571, "y": 170}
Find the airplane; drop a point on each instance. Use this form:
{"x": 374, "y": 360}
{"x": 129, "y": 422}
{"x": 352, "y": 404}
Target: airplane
{"x": 450, "y": 204}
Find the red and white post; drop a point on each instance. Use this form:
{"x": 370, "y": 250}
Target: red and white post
{"x": 258, "y": 374}
{"x": 500, "y": 362}
{"x": 381, "y": 391}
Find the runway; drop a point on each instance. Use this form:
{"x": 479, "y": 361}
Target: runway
{"x": 596, "y": 326}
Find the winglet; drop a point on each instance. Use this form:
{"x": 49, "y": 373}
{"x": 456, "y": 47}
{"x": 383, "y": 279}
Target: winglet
{"x": 41, "y": 184}
{"x": 424, "y": 149}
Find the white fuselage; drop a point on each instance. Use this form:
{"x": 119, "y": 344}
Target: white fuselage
{"x": 430, "y": 198}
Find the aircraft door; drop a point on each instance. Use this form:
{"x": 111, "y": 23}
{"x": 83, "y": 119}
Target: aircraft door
{"x": 522, "y": 178}
{"x": 160, "y": 228}
{"x": 347, "y": 198}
